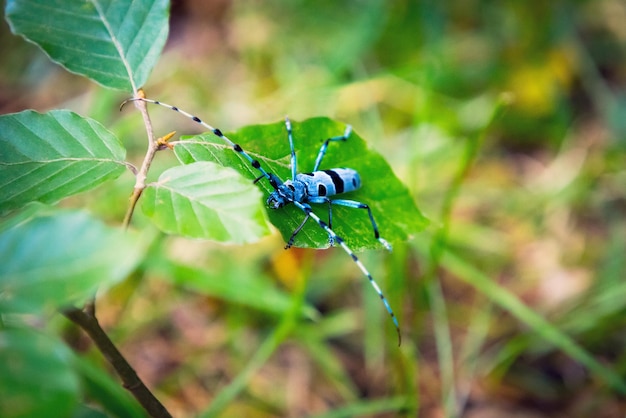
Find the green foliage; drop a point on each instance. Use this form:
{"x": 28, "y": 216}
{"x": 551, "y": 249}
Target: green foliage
{"x": 114, "y": 43}
{"x": 37, "y": 378}
{"x": 204, "y": 200}
{"x": 59, "y": 259}
{"x": 42, "y": 377}
{"x": 394, "y": 209}
{"x": 47, "y": 157}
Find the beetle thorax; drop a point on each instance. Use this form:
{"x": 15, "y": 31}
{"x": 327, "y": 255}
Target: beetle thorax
{"x": 287, "y": 193}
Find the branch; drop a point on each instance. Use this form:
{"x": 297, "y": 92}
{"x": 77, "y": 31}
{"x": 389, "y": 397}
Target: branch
{"x": 127, "y": 374}
{"x": 153, "y": 146}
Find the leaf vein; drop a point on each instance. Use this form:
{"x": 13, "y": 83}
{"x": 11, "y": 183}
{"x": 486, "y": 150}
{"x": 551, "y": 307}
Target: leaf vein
{"x": 116, "y": 43}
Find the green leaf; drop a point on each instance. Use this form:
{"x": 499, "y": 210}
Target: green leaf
{"x": 114, "y": 43}
{"x": 392, "y": 205}
{"x": 46, "y": 157}
{"x": 37, "y": 379}
{"x": 205, "y": 200}
{"x": 56, "y": 260}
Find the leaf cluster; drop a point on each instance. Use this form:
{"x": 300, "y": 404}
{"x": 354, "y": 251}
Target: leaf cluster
{"x": 58, "y": 259}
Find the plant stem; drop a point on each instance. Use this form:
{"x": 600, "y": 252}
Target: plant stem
{"x": 134, "y": 198}
{"x": 142, "y": 174}
{"x": 127, "y": 374}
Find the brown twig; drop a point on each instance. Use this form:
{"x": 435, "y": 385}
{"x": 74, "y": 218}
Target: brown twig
{"x": 127, "y": 374}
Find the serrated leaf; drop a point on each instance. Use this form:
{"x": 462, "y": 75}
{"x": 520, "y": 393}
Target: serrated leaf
{"x": 37, "y": 378}
{"x": 115, "y": 43}
{"x": 46, "y": 157}
{"x": 392, "y": 205}
{"x": 205, "y": 200}
{"x": 61, "y": 259}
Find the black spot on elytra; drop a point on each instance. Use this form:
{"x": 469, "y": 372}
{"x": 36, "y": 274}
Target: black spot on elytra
{"x": 336, "y": 179}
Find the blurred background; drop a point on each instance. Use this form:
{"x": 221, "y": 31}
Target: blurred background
{"x": 530, "y": 202}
